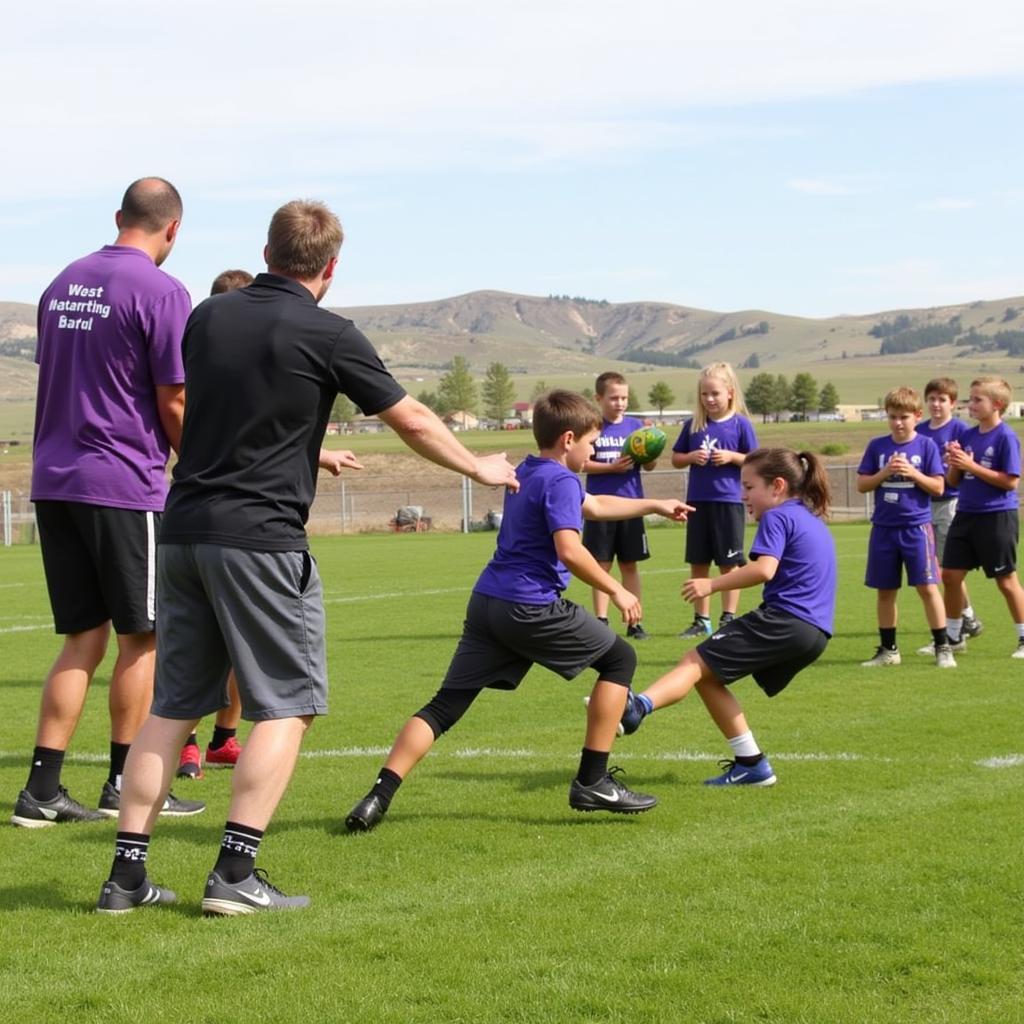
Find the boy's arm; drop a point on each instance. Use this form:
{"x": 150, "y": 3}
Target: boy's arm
{"x": 611, "y": 506}
{"x": 960, "y": 462}
{"x": 933, "y": 485}
{"x": 582, "y": 564}
{"x": 754, "y": 573}
{"x": 623, "y": 464}
{"x": 872, "y": 481}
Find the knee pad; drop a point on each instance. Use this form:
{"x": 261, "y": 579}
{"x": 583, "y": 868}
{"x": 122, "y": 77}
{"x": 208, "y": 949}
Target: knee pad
{"x": 446, "y": 707}
{"x": 617, "y": 664}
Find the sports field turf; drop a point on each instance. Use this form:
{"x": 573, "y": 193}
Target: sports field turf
{"x": 880, "y": 880}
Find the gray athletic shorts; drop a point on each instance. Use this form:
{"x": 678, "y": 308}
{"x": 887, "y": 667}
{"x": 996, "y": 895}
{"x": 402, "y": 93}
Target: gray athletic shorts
{"x": 260, "y": 612}
{"x": 942, "y": 518}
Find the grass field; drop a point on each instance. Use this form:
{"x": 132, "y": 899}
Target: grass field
{"x": 880, "y": 880}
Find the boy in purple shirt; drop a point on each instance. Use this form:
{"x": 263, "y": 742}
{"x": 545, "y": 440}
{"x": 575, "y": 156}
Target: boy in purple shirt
{"x": 985, "y": 463}
{"x": 793, "y": 555}
{"x": 517, "y": 616}
{"x": 905, "y": 471}
{"x": 612, "y": 472}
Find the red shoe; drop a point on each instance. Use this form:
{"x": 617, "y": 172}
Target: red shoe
{"x": 225, "y": 756}
{"x": 190, "y": 764}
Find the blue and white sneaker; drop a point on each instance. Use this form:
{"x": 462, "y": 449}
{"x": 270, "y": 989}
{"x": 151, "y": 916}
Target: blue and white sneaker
{"x": 633, "y": 716}
{"x": 735, "y": 774}
{"x": 697, "y": 630}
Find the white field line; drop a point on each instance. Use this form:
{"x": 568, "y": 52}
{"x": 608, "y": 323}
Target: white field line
{"x": 480, "y": 753}
{"x": 25, "y": 629}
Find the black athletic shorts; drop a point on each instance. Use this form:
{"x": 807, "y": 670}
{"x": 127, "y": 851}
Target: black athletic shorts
{"x": 769, "y": 644}
{"x": 624, "y": 539}
{"x": 714, "y": 533}
{"x": 985, "y": 539}
{"x": 501, "y": 640}
{"x": 100, "y": 565}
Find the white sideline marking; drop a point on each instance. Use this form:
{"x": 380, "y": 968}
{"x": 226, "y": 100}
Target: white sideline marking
{"x": 23, "y": 629}
{"x": 1008, "y": 761}
{"x": 6, "y": 586}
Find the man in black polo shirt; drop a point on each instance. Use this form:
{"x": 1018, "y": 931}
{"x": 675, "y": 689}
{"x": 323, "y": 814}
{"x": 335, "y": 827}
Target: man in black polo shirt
{"x": 236, "y": 583}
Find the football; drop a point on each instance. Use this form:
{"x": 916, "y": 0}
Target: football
{"x": 644, "y": 445}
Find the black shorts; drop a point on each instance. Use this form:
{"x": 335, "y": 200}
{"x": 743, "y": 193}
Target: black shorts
{"x": 624, "y": 539}
{"x": 714, "y": 533}
{"x": 100, "y": 565}
{"x": 501, "y": 640}
{"x": 769, "y": 644}
{"x": 985, "y": 539}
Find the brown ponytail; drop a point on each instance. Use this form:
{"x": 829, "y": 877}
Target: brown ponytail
{"x": 803, "y": 472}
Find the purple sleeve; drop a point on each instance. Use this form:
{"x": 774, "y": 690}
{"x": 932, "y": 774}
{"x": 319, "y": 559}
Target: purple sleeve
{"x": 683, "y": 440}
{"x": 1009, "y": 453}
{"x": 563, "y": 504}
{"x": 931, "y": 464}
{"x": 165, "y": 328}
{"x": 867, "y": 460}
{"x": 770, "y": 538}
{"x": 748, "y": 439}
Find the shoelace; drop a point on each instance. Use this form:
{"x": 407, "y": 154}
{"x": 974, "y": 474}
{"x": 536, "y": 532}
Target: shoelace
{"x": 724, "y": 762}
{"x": 261, "y": 876}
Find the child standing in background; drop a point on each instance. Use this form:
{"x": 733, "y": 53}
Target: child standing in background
{"x": 610, "y": 472}
{"x": 713, "y": 445}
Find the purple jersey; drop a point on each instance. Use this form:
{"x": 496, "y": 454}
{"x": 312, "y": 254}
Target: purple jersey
{"x": 953, "y": 430}
{"x": 710, "y": 482}
{"x": 998, "y": 449}
{"x": 110, "y": 330}
{"x": 898, "y": 500}
{"x": 525, "y": 567}
{"x": 608, "y": 448}
{"x": 805, "y": 582}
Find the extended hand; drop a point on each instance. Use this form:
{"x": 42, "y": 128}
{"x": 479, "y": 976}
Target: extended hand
{"x": 695, "y": 589}
{"x": 629, "y": 604}
{"x": 495, "y": 471}
{"x": 677, "y": 510}
{"x": 335, "y": 461}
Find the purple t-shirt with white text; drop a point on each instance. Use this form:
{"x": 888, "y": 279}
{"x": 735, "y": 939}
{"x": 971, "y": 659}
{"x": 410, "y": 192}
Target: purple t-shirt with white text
{"x": 110, "y": 330}
{"x": 710, "y": 482}
{"x": 898, "y": 500}
{"x": 525, "y": 568}
{"x": 997, "y": 449}
{"x": 951, "y": 430}
{"x": 608, "y": 448}
{"x": 804, "y": 584}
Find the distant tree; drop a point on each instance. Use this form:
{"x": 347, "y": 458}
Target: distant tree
{"x": 540, "y": 388}
{"x": 429, "y": 399}
{"x": 828, "y": 399}
{"x": 760, "y": 395}
{"x": 1010, "y": 314}
{"x": 343, "y": 411}
{"x": 804, "y": 394}
{"x": 587, "y": 392}
{"x": 764, "y": 327}
{"x": 782, "y": 396}
{"x": 456, "y": 390}
{"x": 752, "y": 362}
{"x": 660, "y": 395}
{"x": 499, "y": 392}
{"x": 633, "y": 402}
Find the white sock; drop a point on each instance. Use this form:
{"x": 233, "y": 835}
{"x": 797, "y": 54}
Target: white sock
{"x": 1020, "y": 630}
{"x": 744, "y": 745}
{"x": 953, "y": 627}
{"x": 968, "y": 612}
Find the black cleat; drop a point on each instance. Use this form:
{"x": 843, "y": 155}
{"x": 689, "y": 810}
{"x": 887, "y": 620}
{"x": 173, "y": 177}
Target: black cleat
{"x": 110, "y": 804}
{"x": 637, "y": 632}
{"x": 366, "y": 814}
{"x": 115, "y": 900}
{"x": 608, "y": 794}
{"x": 32, "y": 813}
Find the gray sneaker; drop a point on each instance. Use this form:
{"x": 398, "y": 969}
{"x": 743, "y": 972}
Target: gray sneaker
{"x": 110, "y": 804}
{"x": 944, "y": 656}
{"x": 972, "y": 626}
{"x": 250, "y": 896}
{"x": 115, "y": 900}
{"x": 883, "y": 658}
{"x": 697, "y": 630}
{"x": 1019, "y": 653}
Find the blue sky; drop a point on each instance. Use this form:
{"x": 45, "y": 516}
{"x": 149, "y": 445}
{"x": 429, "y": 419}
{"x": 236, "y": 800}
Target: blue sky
{"x": 771, "y": 155}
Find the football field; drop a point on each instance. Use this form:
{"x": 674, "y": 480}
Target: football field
{"x": 880, "y": 881}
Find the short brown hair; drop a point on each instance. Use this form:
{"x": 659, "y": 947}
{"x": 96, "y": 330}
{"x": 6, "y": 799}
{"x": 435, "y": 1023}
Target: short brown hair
{"x": 229, "y": 280}
{"x": 994, "y": 388}
{"x": 610, "y": 377}
{"x": 559, "y": 411}
{"x": 903, "y": 400}
{"x": 304, "y": 236}
{"x": 150, "y": 204}
{"x": 942, "y": 386}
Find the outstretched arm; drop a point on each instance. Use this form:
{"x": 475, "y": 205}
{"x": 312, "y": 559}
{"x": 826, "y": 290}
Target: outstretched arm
{"x": 611, "y": 506}
{"x": 754, "y": 573}
{"x": 335, "y": 460}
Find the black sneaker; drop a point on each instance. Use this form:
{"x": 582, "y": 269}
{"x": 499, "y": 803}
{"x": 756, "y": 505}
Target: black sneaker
{"x": 32, "y": 813}
{"x": 698, "y": 630}
{"x": 366, "y": 814}
{"x": 726, "y": 618}
{"x": 972, "y": 626}
{"x": 115, "y": 900}
{"x": 250, "y": 896}
{"x": 637, "y": 632}
{"x": 110, "y": 804}
{"x": 608, "y": 794}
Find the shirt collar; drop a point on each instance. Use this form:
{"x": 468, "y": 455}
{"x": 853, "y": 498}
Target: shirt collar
{"x": 284, "y": 284}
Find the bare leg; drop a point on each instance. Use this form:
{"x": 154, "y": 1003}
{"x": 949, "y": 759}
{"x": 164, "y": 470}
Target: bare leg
{"x": 723, "y": 707}
{"x": 678, "y": 682}
{"x": 411, "y": 745}
{"x": 630, "y": 577}
{"x": 604, "y": 711}
{"x": 67, "y": 684}
{"x": 887, "y": 614}
{"x": 131, "y": 685}
{"x": 730, "y": 598}
{"x": 703, "y": 605}
{"x": 1009, "y": 586}
{"x": 229, "y": 717}
{"x": 600, "y": 597}
{"x": 952, "y": 591}
{"x": 934, "y": 609}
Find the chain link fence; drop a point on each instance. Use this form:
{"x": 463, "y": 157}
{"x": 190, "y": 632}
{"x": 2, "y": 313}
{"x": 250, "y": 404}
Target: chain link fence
{"x": 353, "y": 503}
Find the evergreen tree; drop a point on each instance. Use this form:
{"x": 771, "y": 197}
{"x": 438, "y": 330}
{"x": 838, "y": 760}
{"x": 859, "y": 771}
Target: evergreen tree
{"x": 828, "y": 400}
{"x": 343, "y": 411}
{"x": 782, "y": 396}
{"x": 660, "y": 395}
{"x": 804, "y": 394}
{"x": 429, "y": 399}
{"x": 456, "y": 390}
{"x": 540, "y": 388}
{"x": 499, "y": 393}
{"x": 760, "y": 395}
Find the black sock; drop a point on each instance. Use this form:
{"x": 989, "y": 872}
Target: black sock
{"x": 192, "y": 741}
{"x": 386, "y": 786}
{"x": 44, "y": 775}
{"x": 238, "y": 851}
{"x": 939, "y": 637}
{"x": 888, "y": 637}
{"x": 130, "y": 853}
{"x": 118, "y": 756}
{"x": 593, "y": 766}
{"x": 749, "y": 759}
{"x": 221, "y": 736}
{"x": 602, "y": 618}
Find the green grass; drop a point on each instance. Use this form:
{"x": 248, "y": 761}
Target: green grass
{"x": 879, "y": 880}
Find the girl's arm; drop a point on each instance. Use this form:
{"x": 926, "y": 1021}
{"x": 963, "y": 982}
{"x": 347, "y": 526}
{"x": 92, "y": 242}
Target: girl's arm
{"x": 754, "y": 573}
{"x": 611, "y": 506}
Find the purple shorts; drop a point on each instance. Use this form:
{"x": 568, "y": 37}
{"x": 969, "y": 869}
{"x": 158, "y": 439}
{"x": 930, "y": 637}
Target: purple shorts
{"x": 890, "y": 548}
